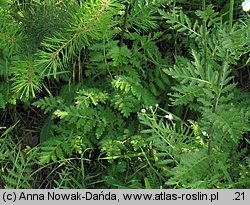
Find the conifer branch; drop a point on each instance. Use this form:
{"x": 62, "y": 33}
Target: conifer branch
{"x": 8, "y": 38}
{"x": 90, "y": 23}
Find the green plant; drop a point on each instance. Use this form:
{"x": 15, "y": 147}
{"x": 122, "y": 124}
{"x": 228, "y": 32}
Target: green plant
{"x": 16, "y": 164}
{"x": 96, "y": 111}
{"x": 204, "y": 86}
{"x": 124, "y": 94}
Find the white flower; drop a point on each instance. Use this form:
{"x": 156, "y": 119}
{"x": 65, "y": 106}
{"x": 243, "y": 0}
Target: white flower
{"x": 143, "y": 110}
{"x": 169, "y": 117}
{"x": 246, "y": 5}
{"x": 204, "y": 134}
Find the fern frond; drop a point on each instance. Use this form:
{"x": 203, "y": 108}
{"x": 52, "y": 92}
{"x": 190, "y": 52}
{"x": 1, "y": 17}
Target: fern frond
{"x": 49, "y": 104}
{"x": 185, "y": 95}
{"x": 192, "y": 168}
{"x": 182, "y": 23}
{"x": 193, "y": 72}
{"x": 143, "y": 16}
{"x": 212, "y": 17}
{"x": 127, "y": 84}
{"x": 16, "y": 165}
{"x": 119, "y": 55}
{"x": 232, "y": 127}
{"x": 90, "y": 96}
{"x": 125, "y": 103}
{"x": 55, "y": 148}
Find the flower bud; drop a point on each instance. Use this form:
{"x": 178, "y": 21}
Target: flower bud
{"x": 169, "y": 117}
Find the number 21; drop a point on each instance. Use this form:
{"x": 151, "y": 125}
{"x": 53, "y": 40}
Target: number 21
{"x": 239, "y": 196}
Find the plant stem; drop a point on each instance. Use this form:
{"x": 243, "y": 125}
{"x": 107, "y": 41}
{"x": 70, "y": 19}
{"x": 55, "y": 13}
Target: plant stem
{"x": 231, "y": 14}
{"x": 204, "y": 31}
{"x": 124, "y": 23}
{"x": 123, "y": 32}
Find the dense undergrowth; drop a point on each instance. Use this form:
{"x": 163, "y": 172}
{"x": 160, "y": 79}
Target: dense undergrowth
{"x": 124, "y": 94}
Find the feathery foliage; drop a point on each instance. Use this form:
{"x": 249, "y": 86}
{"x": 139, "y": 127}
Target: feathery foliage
{"x": 124, "y": 94}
